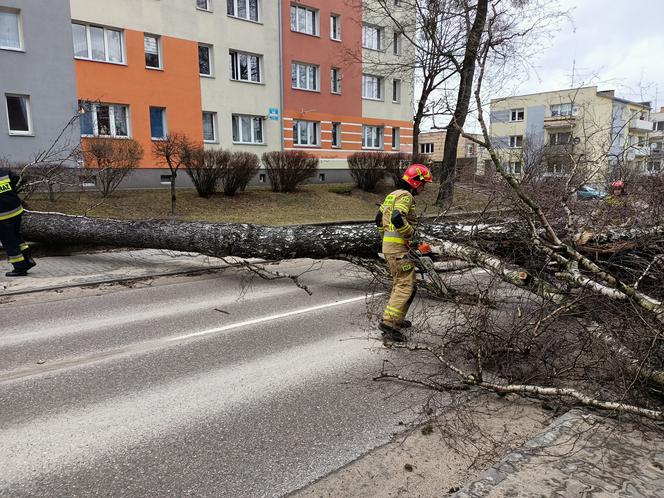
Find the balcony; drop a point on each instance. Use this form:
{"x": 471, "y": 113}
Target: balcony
{"x": 559, "y": 121}
{"x": 640, "y": 125}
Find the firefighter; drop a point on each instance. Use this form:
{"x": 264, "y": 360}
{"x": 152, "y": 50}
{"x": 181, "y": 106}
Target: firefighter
{"x": 396, "y": 220}
{"x": 11, "y": 211}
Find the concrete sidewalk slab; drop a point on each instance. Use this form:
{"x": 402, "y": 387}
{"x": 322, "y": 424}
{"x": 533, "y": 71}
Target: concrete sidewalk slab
{"x": 578, "y": 455}
{"x": 88, "y": 269}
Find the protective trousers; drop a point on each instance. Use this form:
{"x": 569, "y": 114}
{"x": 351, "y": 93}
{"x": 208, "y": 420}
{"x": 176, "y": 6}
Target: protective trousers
{"x": 402, "y": 270}
{"x": 12, "y": 242}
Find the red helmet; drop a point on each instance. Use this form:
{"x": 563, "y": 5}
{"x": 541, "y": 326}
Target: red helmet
{"x": 416, "y": 174}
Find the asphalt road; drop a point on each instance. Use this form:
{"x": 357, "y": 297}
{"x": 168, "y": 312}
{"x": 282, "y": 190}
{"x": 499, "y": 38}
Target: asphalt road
{"x": 222, "y": 385}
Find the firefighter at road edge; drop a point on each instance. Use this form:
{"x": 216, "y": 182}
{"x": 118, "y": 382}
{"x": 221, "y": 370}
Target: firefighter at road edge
{"x": 396, "y": 220}
{"x": 11, "y": 211}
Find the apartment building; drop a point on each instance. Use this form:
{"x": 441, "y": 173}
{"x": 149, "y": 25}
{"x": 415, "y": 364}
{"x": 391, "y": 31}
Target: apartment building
{"x": 549, "y": 130}
{"x": 655, "y": 162}
{"x": 432, "y": 145}
{"x": 37, "y": 82}
{"x": 251, "y": 75}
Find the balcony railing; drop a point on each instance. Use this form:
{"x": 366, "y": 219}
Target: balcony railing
{"x": 640, "y": 125}
{"x": 559, "y": 121}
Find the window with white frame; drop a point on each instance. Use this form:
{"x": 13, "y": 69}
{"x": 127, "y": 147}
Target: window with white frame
{"x": 335, "y": 27}
{"x": 396, "y": 91}
{"x": 426, "y": 148}
{"x": 335, "y": 80}
{"x": 471, "y": 150}
{"x": 372, "y": 37}
{"x": 567, "y": 109}
{"x": 244, "y": 9}
{"x": 396, "y": 138}
{"x": 304, "y": 20}
{"x": 204, "y": 5}
{"x": 372, "y": 137}
{"x": 515, "y": 167}
{"x": 152, "y": 51}
{"x": 158, "y": 123}
{"x": 658, "y": 126}
{"x": 304, "y": 76}
{"x": 98, "y": 43}
{"x": 517, "y": 114}
{"x": 560, "y": 138}
{"x": 247, "y": 129}
{"x": 554, "y": 168}
{"x": 306, "y": 133}
{"x": 209, "y": 127}
{"x": 396, "y": 43}
{"x": 653, "y": 166}
{"x": 10, "y": 29}
{"x": 372, "y": 87}
{"x": 205, "y": 64}
{"x": 336, "y": 135}
{"x": 18, "y": 114}
{"x": 246, "y": 67}
{"x": 104, "y": 120}
{"x": 516, "y": 141}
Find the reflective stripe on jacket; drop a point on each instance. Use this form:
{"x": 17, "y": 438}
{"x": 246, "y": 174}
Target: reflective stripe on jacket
{"x": 395, "y": 240}
{"x": 10, "y": 204}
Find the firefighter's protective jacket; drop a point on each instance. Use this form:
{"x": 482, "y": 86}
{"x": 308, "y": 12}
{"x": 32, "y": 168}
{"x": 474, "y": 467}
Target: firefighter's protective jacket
{"x": 10, "y": 204}
{"x": 397, "y": 239}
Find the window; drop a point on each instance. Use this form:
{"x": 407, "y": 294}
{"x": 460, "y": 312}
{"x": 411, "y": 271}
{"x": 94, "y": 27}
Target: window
{"x": 209, "y": 126}
{"x": 10, "y": 30}
{"x": 336, "y": 80}
{"x": 563, "y": 110}
{"x": 562, "y": 138}
{"x": 104, "y": 120}
{"x": 245, "y": 67}
{"x": 18, "y": 114}
{"x": 653, "y": 166}
{"x": 396, "y": 91}
{"x": 336, "y": 134}
{"x": 554, "y": 169}
{"x": 396, "y": 43}
{"x": 244, "y": 9}
{"x": 304, "y": 20}
{"x": 305, "y": 133}
{"x": 517, "y": 114}
{"x": 204, "y": 5}
{"x": 247, "y": 129}
{"x": 321, "y": 177}
{"x": 157, "y": 123}
{"x": 470, "y": 150}
{"x": 658, "y": 126}
{"x": 165, "y": 179}
{"x": 152, "y": 58}
{"x": 98, "y": 43}
{"x": 335, "y": 27}
{"x": 262, "y": 177}
{"x": 372, "y": 37}
{"x": 514, "y": 167}
{"x": 372, "y": 137}
{"x": 396, "y": 138}
{"x": 205, "y": 67}
{"x": 372, "y": 87}
{"x": 516, "y": 141}
{"x": 304, "y": 76}
{"x": 426, "y": 148}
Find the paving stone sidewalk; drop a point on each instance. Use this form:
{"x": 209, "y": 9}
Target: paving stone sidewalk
{"x": 86, "y": 269}
{"x": 578, "y": 455}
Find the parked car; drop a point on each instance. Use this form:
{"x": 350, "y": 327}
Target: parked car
{"x": 586, "y": 192}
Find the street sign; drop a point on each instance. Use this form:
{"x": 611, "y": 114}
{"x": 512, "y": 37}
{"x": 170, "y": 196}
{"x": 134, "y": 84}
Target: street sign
{"x": 273, "y": 114}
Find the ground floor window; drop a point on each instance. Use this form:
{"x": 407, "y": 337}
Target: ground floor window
{"x": 306, "y": 133}
{"x": 372, "y": 137}
{"x": 104, "y": 120}
{"x": 247, "y": 129}
{"x": 18, "y": 114}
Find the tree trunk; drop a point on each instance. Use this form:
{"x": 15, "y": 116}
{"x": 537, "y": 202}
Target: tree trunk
{"x": 455, "y": 128}
{"x": 173, "y": 177}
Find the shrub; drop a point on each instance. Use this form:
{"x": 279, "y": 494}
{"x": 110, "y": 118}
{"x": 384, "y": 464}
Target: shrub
{"x": 240, "y": 169}
{"x": 206, "y": 168}
{"x": 367, "y": 169}
{"x": 288, "y": 169}
{"x": 110, "y": 161}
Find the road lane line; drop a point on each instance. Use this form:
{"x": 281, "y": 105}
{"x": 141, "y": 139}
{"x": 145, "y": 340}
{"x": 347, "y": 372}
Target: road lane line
{"x": 155, "y": 344}
{"x": 270, "y": 318}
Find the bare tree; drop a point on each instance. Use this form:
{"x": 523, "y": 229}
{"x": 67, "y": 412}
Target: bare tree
{"x": 172, "y": 152}
{"x": 111, "y": 161}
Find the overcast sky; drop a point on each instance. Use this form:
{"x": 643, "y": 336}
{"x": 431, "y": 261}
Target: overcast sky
{"x": 617, "y": 44}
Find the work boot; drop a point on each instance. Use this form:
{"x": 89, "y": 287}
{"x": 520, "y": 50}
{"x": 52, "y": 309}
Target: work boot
{"x": 406, "y": 324}
{"x": 390, "y": 334}
{"x": 20, "y": 269}
{"x": 27, "y": 254}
